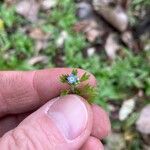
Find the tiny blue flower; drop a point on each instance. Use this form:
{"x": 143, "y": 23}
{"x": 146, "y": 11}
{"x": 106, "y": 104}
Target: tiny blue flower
{"x": 72, "y": 79}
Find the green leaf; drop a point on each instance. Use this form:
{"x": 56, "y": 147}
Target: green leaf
{"x": 64, "y": 92}
{"x": 74, "y": 72}
{"x": 131, "y": 120}
{"x": 89, "y": 93}
{"x": 76, "y": 91}
{"x": 63, "y": 78}
{"x": 84, "y": 77}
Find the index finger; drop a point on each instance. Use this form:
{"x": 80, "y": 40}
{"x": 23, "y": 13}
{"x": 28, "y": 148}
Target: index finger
{"x": 24, "y": 91}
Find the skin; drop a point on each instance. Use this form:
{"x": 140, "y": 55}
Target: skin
{"x": 24, "y": 97}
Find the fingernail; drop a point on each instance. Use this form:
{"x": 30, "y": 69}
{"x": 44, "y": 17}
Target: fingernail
{"x": 69, "y": 114}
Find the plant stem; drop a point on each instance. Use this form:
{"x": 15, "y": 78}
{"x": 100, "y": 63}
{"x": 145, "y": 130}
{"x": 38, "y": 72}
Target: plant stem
{"x": 73, "y": 89}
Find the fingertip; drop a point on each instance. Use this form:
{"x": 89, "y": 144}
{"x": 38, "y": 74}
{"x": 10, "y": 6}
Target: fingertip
{"x": 101, "y": 122}
{"x": 24, "y": 91}
{"x": 47, "y": 82}
{"x": 71, "y": 107}
{"x": 65, "y": 121}
{"x": 93, "y": 143}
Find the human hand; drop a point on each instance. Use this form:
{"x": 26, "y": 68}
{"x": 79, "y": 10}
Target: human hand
{"x": 66, "y": 123}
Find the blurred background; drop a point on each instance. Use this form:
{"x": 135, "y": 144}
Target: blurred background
{"x": 110, "y": 38}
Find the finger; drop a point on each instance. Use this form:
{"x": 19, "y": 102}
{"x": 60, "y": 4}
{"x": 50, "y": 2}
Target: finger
{"x": 25, "y": 91}
{"x": 101, "y": 122}
{"x": 55, "y": 126}
{"x": 10, "y": 122}
{"x": 92, "y": 143}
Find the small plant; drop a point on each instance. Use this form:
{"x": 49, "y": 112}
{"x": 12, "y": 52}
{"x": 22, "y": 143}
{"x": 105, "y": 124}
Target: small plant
{"x": 87, "y": 91}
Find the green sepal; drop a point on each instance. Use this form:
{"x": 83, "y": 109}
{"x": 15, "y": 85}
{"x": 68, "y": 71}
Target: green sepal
{"x": 64, "y": 92}
{"x": 84, "y": 77}
{"x": 74, "y": 72}
{"x": 63, "y": 78}
{"x": 77, "y": 91}
{"x": 89, "y": 93}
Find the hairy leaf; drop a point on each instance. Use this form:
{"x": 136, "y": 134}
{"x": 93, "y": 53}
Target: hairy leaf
{"x": 84, "y": 77}
{"x": 74, "y": 72}
{"x": 64, "y": 92}
{"x": 63, "y": 78}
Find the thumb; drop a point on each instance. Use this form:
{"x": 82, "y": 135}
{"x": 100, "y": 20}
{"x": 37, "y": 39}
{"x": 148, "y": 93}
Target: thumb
{"x": 63, "y": 123}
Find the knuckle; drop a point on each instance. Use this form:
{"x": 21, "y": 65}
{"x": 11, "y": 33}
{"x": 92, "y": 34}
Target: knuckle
{"x": 36, "y": 136}
{"x": 22, "y": 139}
{"x": 33, "y": 136}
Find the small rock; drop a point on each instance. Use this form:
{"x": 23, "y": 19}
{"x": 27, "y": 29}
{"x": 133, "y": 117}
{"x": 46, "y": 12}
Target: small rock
{"x": 114, "y": 15}
{"x": 63, "y": 36}
{"x": 140, "y": 93}
{"x": 40, "y": 45}
{"x": 38, "y": 34}
{"x": 38, "y": 59}
{"x": 112, "y": 46}
{"x": 41, "y": 39}
{"x": 84, "y": 10}
{"x": 115, "y": 142}
{"x": 90, "y": 28}
{"x": 80, "y": 26}
{"x": 48, "y": 4}
{"x": 143, "y": 123}
{"x": 91, "y": 51}
{"x": 147, "y": 46}
{"x": 127, "y": 108}
{"x": 29, "y": 9}
{"x": 127, "y": 38}
{"x": 146, "y": 147}
{"x": 92, "y": 35}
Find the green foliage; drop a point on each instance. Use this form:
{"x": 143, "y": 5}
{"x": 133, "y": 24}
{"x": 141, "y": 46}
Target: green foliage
{"x": 63, "y": 16}
{"x": 64, "y": 19}
{"x": 116, "y": 81}
{"x": 140, "y": 2}
{"x": 22, "y": 43}
{"x": 74, "y": 72}
{"x": 134, "y": 7}
{"x": 84, "y": 77}
{"x": 147, "y": 86}
{"x": 64, "y": 92}
{"x": 131, "y": 120}
{"x": 8, "y": 15}
{"x": 123, "y": 77}
{"x": 4, "y": 41}
{"x": 63, "y": 78}
{"x": 87, "y": 91}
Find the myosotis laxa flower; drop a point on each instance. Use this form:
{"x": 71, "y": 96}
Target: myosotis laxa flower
{"x": 87, "y": 91}
{"x": 72, "y": 79}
